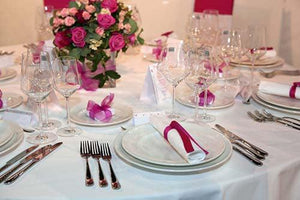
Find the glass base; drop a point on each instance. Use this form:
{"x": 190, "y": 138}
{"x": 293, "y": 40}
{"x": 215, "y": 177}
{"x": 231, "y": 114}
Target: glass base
{"x": 205, "y": 118}
{"x": 69, "y": 131}
{"x": 175, "y": 116}
{"x": 39, "y": 138}
{"x": 52, "y": 124}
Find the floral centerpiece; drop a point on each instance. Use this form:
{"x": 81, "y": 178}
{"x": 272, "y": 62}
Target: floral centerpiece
{"x": 94, "y": 31}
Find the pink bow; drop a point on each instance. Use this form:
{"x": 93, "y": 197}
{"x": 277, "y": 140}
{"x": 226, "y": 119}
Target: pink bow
{"x": 209, "y": 100}
{"x": 186, "y": 138}
{"x": 1, "y": 102}
{"x": 293, "y": 89}
{"x": 101, "y": 112}
{"x": 157, "y": 51}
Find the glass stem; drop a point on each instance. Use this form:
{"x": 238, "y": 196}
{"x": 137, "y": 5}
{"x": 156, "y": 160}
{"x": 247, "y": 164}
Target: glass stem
{"x": 67, "y": 109}
{"x": 197, "y": 98}
{"x": 204, "y": 102}
{"x": 173, "y": 99}
{"x": 46, "y": 120}
{"x": 40, "y": 123}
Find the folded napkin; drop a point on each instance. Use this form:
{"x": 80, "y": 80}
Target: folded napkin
{"x": 179, "y": 139}
{"x": 285, "y": 90}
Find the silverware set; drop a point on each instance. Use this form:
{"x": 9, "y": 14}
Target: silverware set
{"x": 266, "y": 116}
{"x": 247, "y": 149}
{"x": 32, "y": 157}
{"x": 2, "y": 53}
{"x": 97, "y": 151}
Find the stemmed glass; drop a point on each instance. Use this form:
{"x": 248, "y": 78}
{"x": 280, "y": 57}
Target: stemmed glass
{"x": 66, "y": 82}
{"x": 174, "y": 68}
{"x": 36, "y": 83}
{"x": 211, "y": 26}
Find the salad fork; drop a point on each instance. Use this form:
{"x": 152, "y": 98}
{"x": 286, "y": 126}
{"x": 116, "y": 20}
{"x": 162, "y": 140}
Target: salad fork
{"x": 106, "y": 155}
{"x": 85, "y": 153}
{"x": 96, "y": 154}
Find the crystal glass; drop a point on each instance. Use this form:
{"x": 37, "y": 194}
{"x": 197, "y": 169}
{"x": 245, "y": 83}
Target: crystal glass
{"x": 174, "y": 68}
{"x": 194, "y": 27}
{"x": 211, "y": 26}
{"x": 36, "y": 83}
{"x": 66, "y": 82}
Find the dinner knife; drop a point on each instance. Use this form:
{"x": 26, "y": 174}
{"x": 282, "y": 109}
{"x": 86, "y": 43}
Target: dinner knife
{"x": 23, "y": 161}
{"x": 232, "y": 135}
{"x": 248, "y": 155}
{"x": 35, "y": 160}
{"x": 18, "y": 157}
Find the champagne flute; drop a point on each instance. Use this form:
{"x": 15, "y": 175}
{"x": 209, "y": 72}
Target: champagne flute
{"x": 211, "y": 26}
{"x": 36, "y": 83}
{"x": 66, "y": 82}
{"x": 174, "y": 68}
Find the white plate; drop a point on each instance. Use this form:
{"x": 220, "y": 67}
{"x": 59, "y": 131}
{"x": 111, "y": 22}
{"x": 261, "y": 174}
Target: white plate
{"x": 259, "y": 62}
{"x": 271, "y": 106}
{"x": 145, "y": 143}
{"x": 276, "y": 100}
{"x": 5, "y": 133}
{"x": 12, "y": 100}
{"x": 277, "y": 64}
{"x": 7, "y": 73}
{"x": 15, "y": 141}
{"x": 172, "y": 169}
{"x": 224, "y": 99}
{"x": 122, "y": 113}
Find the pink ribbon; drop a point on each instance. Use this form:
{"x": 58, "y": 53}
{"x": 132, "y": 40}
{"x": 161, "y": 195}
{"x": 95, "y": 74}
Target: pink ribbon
{"x": 186, "y": 138}
{"x": 101, "y": 112}
{"x": 207, "y": 65}
{"x": 157, "y": 51}
{"x": 167, "y": 34}
{"x": 293, "y": 89}
{"x": 210, "y": 98}
{"x": 1, "y": 102}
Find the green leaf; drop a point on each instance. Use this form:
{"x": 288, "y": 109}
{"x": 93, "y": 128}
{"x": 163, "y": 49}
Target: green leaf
{"x": 139, "y": 39}
{"x": 75, "y": 53}
{"x": 73, "y": 4}
{"x": 113, "y": 74}
{"x": 51, "y": 21}
{"x": 133, "y": 25}
{"x": 85, "y": 51}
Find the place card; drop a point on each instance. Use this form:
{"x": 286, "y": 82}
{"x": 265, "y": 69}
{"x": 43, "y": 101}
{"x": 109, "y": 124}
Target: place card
{"x": 144, "y": 118}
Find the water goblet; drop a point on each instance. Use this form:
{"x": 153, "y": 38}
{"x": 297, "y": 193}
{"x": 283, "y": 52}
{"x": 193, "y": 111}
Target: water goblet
{"x": 66, "y": 82}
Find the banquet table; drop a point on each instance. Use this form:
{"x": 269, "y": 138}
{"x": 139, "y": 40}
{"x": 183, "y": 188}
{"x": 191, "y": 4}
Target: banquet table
{"x": 61, "y": 174}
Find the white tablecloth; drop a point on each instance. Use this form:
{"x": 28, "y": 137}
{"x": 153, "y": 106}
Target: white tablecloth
{"x": 61, "y": 174}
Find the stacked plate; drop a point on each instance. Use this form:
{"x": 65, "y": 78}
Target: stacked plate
{"x": 145, "y": 148}
{"x": 264, "y": 63}
{"x": 7, "y": 73}
{"x": 11, "y": 100}
{"x": 279, "y": 103}
{"x": 11, "y": 135}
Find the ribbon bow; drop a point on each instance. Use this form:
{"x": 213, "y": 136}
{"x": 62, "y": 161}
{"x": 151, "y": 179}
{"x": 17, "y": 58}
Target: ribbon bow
{"x": 209, "y": 100}
{"x": 207, "y": 65}
{"x": 186, "y": 138}
{"x": 293, "y": 89}
{"x": 1, "y": 102}
{"x": 101, "y": 112}
{"x": 157, "y": 51}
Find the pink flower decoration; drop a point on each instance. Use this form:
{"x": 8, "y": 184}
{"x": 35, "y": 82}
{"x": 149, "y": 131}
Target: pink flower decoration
{"x": 73, "y": 11}
{"x": 86, "y": 15}
{"x": 69, "y": 21}
{"x": 131, "y": 39}
{"x": 105, "y": 20}
{"x": 116, "y": 42}
{"x": 64, "y": 12}
{"x": 57, "y": 21}
{"x": 87, "y": 82}
{"x": 112, "y": 5}
{"x": 90, "y": 8}
{"x": 99, "y": 31}
{"x": 61, "y": 39}
{"x": 78, "y": 35}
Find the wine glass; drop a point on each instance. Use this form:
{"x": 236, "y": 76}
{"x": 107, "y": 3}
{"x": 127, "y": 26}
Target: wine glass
{"x": 66, "y": 82}
{"x": 211, "y": 26}
{"x": 36, "y": 83}
{"x": 255, "y": 43}
{"x": 174, "y": 68}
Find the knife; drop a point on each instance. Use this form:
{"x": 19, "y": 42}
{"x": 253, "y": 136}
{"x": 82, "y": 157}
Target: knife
{"x": 23, "y": 161}
{"x": 18, "y": 157}
{"x": 35, "y": 160}
{"x": 232, "y": 135}
{"x": 248, "y": 155}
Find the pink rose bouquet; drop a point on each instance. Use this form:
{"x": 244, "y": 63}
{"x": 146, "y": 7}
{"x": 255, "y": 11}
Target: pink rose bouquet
{"x": 90, "y": 30}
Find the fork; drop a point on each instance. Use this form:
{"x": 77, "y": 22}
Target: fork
{"x": 85, "y": 153}
{"x": 106, "y": 155}
{"x": 96, "y": 154}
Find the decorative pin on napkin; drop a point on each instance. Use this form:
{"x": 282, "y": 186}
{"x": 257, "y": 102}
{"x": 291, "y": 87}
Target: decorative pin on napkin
{"x": 101, "y": 112}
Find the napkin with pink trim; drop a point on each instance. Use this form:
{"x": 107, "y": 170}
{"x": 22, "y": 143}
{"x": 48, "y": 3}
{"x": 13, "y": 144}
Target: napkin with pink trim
{"x": 180, "y": 139}
{"x": 286, "y": 90}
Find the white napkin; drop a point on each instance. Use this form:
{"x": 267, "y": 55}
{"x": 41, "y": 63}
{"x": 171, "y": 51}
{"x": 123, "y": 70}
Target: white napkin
{"x": 174, "y": 139}
{"x": 6, "y": 60}
{"x": 277, "y": 89}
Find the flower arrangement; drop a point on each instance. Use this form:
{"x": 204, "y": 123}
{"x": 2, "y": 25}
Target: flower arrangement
{"x": 90, "y": 30}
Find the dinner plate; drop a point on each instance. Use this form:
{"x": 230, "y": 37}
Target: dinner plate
{"x": 7, "y": 73}
{"x": 223, "y": 98}
{"x": 271, "y": 106}
{"x": 281, "y": 101}
{"x": 277, "y": 64}
{"x": 5, "y": 133}
{"x": 171, "y": 169}
{"x": 122, "y": 113}
{"x": 145, "y": 143}
{"x": 12, "y": 100}
{"x": 263, "y": 61}
{"x": 15, "y": 141}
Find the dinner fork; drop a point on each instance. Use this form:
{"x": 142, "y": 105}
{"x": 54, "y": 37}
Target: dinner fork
{"x": 96, "y": 154}
{"x": 85, "y": 153}
{"x": 106, "y": 155}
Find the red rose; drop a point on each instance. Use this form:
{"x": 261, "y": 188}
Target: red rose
{"x": 78, "y": 35}
{"x": 61, "y": 39}
{"x": 105, "y": 20}
{"x": 79, "y": 16}
{"x": 116, "y": 42}
{"x": 111, "y": 5}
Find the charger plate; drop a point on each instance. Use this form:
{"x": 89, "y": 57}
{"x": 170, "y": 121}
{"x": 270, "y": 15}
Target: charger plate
{"x": 7, "y": 73}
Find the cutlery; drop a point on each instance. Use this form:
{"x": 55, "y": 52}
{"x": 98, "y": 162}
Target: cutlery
{"x": 96, "y": 154}
{"x": 234, "y": 136}
{"x": 279, "y": 72}
{"x": 35, "y": 160}
{"x": 248, "y": 155}
{"x": 18, "y": 157}
{"x": 85, "y": 153}
{"x": 22, "y": 162}
{"x": 287, "y": 119}
{"x": 106, "y": 155}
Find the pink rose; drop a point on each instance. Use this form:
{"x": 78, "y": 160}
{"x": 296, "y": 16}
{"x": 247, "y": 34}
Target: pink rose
{"x": 105, "y": 20}
{"x": 57, "y": 21}
{"x": 69, "y": 21}
{"x": 116, "y": 42}
{"x": 73, "y": 11}
{"x": 79, "y": 17}
{"x": 61, "y": 39}
{"x": 99, "y": 31}
{"x": 64, "y": 12}
{"x": 90, "y": 8}
{"x": 112, "y": 5}
{"x": 131, "y": 39}
{"x": 84, "y": 1}
{"x": 127, "y": 27}
{"x": 78, "y": 35}
{"x": 86, "y": 15}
